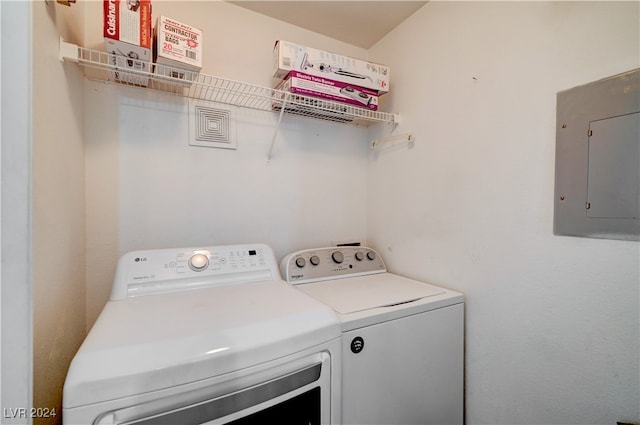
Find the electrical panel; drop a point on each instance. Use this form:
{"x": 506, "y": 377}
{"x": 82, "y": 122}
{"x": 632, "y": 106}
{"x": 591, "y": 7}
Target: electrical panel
{"x": 597, "y": 180}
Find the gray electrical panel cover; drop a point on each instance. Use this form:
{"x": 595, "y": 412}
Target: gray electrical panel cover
{"x": 597, "y": 180}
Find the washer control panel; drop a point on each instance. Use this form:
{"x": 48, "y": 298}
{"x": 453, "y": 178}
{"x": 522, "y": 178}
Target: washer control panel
{"x": 313, "y": 265}
{"x": 163, "y": 270}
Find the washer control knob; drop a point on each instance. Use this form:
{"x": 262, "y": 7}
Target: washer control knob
{"x": 359, "y": 256}
{"x": 371, "y": 255}
{"x": 300, "y": 262}
{"x": 198, "y": 262}
{"x": 337, "y": 257}
{"x": 314, "y": 260}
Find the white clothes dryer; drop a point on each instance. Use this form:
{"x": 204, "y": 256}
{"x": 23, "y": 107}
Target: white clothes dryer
{"x": 206, "y": 335}
{"x": 403, "y": 340}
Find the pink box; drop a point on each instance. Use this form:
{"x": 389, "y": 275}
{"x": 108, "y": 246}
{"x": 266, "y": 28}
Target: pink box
{"x": 337, "y": 91}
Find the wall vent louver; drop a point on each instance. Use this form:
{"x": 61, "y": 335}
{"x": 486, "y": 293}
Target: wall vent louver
{"x": 211, "y": 126}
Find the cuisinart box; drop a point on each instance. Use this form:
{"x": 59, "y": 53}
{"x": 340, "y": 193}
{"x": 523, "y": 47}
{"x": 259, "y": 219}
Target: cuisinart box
{"x": 179, "y": 47}
{"x": 338, "y": 91}
{"x": 289, "y": 57}
{"x": 127, "y": 34}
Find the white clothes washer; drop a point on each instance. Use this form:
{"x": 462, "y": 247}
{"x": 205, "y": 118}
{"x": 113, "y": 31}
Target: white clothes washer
{"x": 206, "y": 335}
{"x": 403, "y": 340}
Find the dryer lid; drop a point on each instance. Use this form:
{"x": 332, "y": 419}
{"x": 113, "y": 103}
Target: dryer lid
{"x": 144, "y": 344}
{"x": 351, "y": 295}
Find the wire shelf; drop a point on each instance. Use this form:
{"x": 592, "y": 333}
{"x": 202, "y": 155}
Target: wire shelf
{"x": 103, "y": 66}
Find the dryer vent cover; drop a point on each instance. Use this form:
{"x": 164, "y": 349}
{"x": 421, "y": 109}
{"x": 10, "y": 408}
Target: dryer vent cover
{"x": 211, "y": 126}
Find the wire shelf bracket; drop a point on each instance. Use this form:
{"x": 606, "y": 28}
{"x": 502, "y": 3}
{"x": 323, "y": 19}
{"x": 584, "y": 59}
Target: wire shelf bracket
{"x": 393, "y": 140}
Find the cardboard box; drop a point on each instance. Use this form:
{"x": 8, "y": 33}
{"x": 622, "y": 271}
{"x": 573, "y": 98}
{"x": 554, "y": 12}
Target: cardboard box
{"x": 336, "y": 91}
{"x": 289, "y": 57}
{"x": 127, "y": 34}
{"x": 178, "y": 46}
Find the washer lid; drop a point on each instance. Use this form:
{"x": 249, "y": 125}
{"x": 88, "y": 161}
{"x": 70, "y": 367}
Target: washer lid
{"x": 354, "y": 294}
{"x": 143, "y": 344}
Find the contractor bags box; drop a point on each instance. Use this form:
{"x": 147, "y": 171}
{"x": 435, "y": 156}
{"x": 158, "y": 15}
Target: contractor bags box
{"x": 289, "y": 57}
{"x": 178, "y": 47}
{"x": 127, "y": 35}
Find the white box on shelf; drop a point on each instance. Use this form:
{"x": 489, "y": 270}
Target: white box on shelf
{"x": 289, "y": 57}
{"x": 127, "y": 35}
{"x": 178, "y": 48}
{"x": 336, "y": 91}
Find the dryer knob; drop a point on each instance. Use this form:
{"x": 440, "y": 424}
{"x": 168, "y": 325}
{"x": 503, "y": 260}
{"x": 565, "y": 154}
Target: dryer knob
{"x": 359, "y": 256}
{"x": 314, "y": 260}
{"x": 198, "y": 262}
{"x": 337, "y": 257}
{"x": 300, "y": 262}
{"x": 371, "y": 255}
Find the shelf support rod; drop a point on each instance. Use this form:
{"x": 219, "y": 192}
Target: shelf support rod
{"x": 277, "y": 129}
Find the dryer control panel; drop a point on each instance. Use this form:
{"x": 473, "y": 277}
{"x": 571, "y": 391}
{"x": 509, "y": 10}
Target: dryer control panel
{"x": 318, "y": 264}
{"x": 170, "y": 270}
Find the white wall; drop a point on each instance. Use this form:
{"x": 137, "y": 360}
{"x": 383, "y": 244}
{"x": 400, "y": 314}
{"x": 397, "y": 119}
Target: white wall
{"x": 552, "y": 323}
{"x": 147, "y": 188}
{"x": 58, "y": 208}
{"x": 16, "y": 367}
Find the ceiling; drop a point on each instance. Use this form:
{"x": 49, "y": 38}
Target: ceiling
{"x": 359, "y": 23}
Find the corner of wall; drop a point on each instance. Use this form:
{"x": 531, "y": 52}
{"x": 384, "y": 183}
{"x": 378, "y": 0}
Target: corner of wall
{"x": 58, "y": 203}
